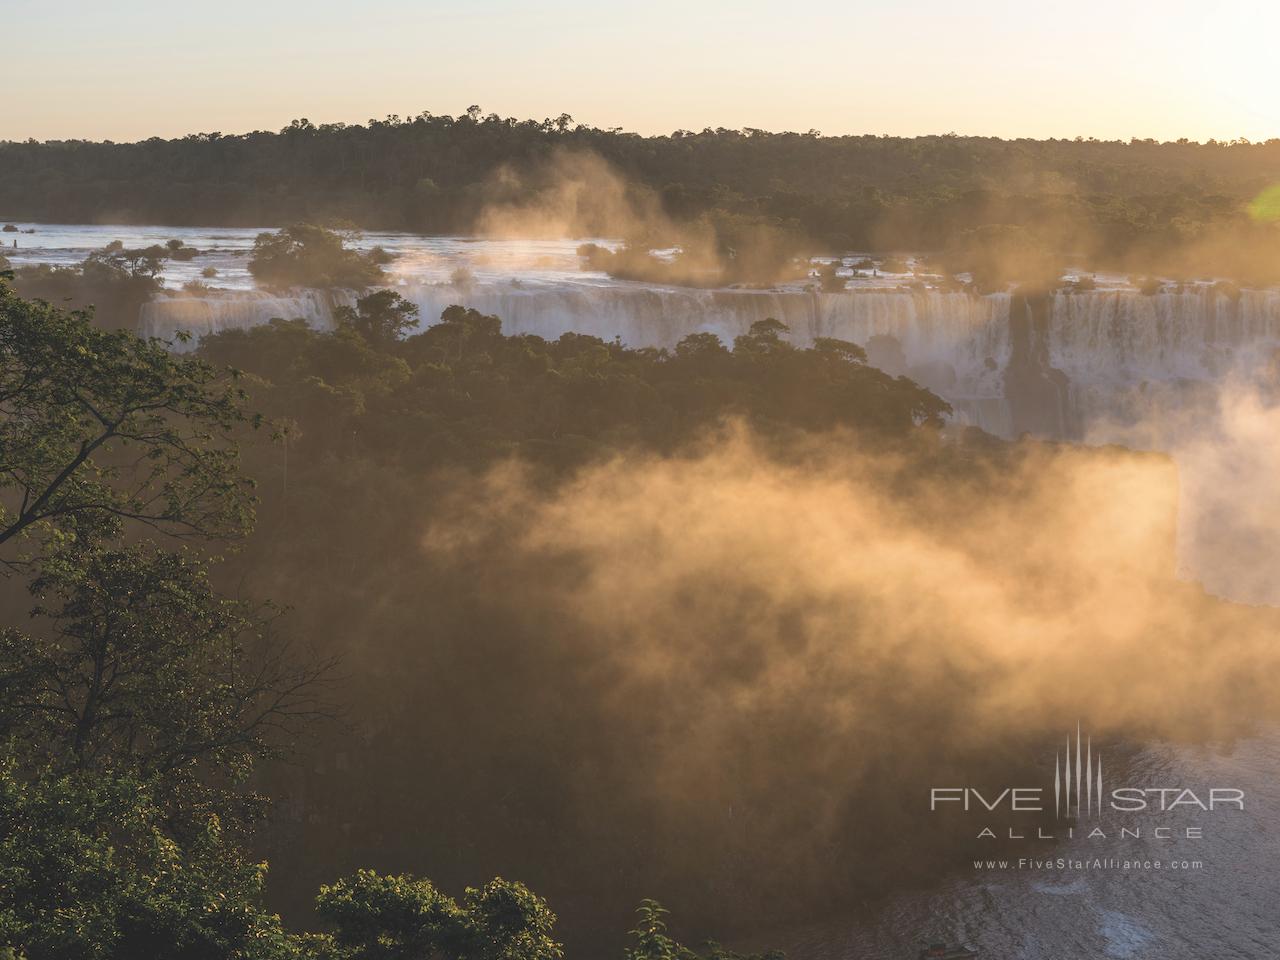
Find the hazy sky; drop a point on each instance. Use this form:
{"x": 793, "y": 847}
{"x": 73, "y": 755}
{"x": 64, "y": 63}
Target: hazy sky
{"x": 135, "y": 68}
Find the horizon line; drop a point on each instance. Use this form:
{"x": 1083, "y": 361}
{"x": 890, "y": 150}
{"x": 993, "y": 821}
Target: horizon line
{"x": 479, "y": 118}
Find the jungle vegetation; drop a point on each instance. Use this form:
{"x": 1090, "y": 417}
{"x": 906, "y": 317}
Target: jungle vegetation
{"x": 140, "y": 698}
{"x": 1182, "y": 208}
{"x": 146, "y": 695}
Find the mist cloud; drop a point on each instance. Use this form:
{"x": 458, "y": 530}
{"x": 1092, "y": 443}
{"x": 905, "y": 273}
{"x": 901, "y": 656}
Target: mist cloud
{"x": 738, "y": 592}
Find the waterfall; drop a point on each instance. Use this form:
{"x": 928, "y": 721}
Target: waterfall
{"x": 1192, "y": 372}
{"x": 639, "y": 315}
{"x": 1113, "y": 352}
{"x": 1123, "y": 352}
{"x": 167, "y": 316}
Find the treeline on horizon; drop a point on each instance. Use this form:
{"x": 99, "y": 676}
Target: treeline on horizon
{"x": 1178, "y": 206}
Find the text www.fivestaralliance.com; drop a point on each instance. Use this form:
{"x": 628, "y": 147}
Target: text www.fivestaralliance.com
{"x": 1098, "y": 864}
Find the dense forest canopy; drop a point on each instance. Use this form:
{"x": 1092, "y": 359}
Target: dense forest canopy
{"x": 463, "y": 393}
{"x": 1182, "y": 206}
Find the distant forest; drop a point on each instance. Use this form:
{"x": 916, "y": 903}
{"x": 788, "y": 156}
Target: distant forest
{"x": 1180, "y": 206}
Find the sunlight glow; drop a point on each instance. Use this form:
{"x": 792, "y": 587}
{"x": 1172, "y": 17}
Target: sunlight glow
{"x": 987, "y": 67}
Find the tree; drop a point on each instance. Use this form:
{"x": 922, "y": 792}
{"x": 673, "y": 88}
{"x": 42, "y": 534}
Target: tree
{"x": 830, "y": 280}
{"x": 306, "y": 255}
{"x": 115, "y": 261}
{"x": 701, "y": 347}
{"x": 763, "y": 337}
{"x": 650, "y": 941}
{"x": 113, "y": 281}
{"x": 843, "y": 349}
{"x": 135, "y": 705}
{"x": 99, "y": 428}
{"x": 135, "y": 664}
{"x": 379, "y": 917}
{"x": 89, "y": 870}
{"x": 462, "y": 331}
{"x": 1123, "y": 205}
{"x": 381, "y": 317}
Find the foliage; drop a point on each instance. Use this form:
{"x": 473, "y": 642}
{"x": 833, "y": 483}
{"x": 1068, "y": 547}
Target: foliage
{"x": 477, "y": 702}
{"x": 138, "y": 698}
{"x": 403, "y": 918}
{"x": 462, "y": 392}
{"x": 100, "y": 429}
{"x": 115, "y": 282}
{"x": 135, "y": 702}
{"x": 829, "y": 278}
{"x": 381, "y": 317}
{"x": 135, "y": 664}
{"x": 651, "y": 941}
{"x": 89, "y": 870}
{"x": 1136, "y": 205}
{"x": 306, "y": 255}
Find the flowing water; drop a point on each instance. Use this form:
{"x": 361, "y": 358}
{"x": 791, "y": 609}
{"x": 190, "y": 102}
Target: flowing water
{"x": 1190, "y": 370}
{"x": 1112, "y": 345}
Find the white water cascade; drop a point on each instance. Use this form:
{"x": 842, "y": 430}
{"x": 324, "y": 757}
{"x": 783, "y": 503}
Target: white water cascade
{"x": 167, "y": 316}
{"x": 1115, "y": 350}
{"x": 1193, "y": 370}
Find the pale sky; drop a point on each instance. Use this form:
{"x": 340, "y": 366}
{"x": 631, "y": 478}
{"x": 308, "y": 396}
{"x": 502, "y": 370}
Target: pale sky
{"x": 131, "y": 69}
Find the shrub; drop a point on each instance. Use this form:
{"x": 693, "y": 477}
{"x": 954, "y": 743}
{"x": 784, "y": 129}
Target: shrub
{"x": 306, "y": 255}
